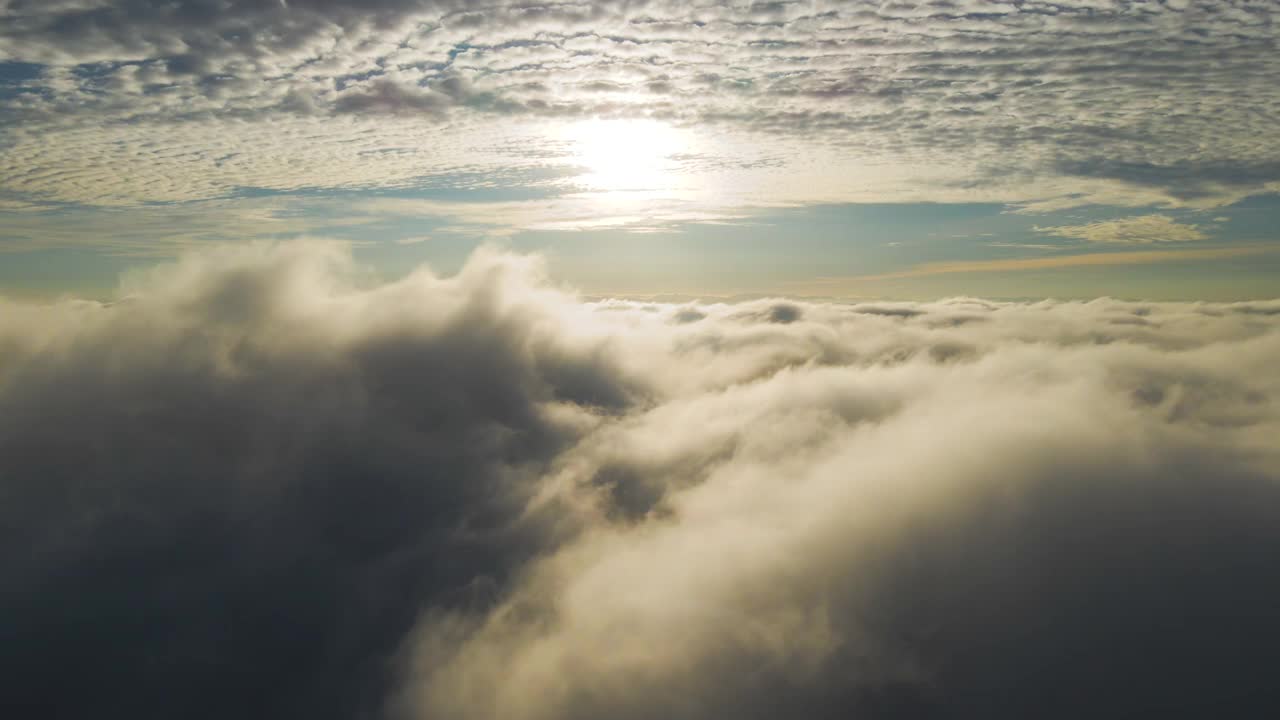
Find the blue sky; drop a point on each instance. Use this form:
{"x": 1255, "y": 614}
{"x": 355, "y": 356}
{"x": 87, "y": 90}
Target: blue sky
{"x": 628, "y": 359}
{"x": 804, "y": 148}
{"x": 909, "y": 250}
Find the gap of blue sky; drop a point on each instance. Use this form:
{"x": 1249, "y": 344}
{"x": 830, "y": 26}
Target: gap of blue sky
{"x": 809, "y": 148}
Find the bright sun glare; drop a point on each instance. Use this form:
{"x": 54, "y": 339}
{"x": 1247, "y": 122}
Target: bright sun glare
{"x": 626, "y": 155}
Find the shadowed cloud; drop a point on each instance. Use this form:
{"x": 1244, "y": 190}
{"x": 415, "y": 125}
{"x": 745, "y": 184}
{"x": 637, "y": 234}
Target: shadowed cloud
{"x": 265, "y": 484}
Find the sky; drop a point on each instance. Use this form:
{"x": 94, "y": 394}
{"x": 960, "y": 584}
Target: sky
{"x": 843, "y": 150}
{"x": 448, "y": 360}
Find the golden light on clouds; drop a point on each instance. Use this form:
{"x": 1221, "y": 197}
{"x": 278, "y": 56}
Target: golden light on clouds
{"x": 546, "y": 360}
{"x": 1061, "y": 261}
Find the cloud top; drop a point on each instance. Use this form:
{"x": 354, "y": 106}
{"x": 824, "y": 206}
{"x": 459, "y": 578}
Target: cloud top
{"x": 265, "y": 483}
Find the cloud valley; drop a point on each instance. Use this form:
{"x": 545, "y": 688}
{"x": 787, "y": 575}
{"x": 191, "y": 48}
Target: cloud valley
{"x": 265, "y": 483}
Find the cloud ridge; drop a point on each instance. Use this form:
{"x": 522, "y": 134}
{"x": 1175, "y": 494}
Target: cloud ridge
{"x": 265, "y": 483}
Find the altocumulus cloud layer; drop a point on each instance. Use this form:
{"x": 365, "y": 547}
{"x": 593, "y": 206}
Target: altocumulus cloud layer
{"x": 111, "y": 102}
{"x": 265, "y": 484}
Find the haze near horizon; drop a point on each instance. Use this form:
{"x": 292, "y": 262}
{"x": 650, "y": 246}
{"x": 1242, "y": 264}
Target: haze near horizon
{"x": 521, "y": 360}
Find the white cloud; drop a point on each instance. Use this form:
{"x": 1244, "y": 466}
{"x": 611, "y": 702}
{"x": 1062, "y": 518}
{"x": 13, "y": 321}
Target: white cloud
{"x": 1140, "y": 229}
{"x": 1043, "y": 104}
{"x": 552, "y": 508}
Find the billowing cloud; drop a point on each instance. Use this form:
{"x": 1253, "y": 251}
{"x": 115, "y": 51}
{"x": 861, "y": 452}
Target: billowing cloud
{"x": 264, "y": 483}
{"x": 1140, "y": 229}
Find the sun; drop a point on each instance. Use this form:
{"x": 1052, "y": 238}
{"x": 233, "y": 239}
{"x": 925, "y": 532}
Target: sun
{"x": 626, "y": 156}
